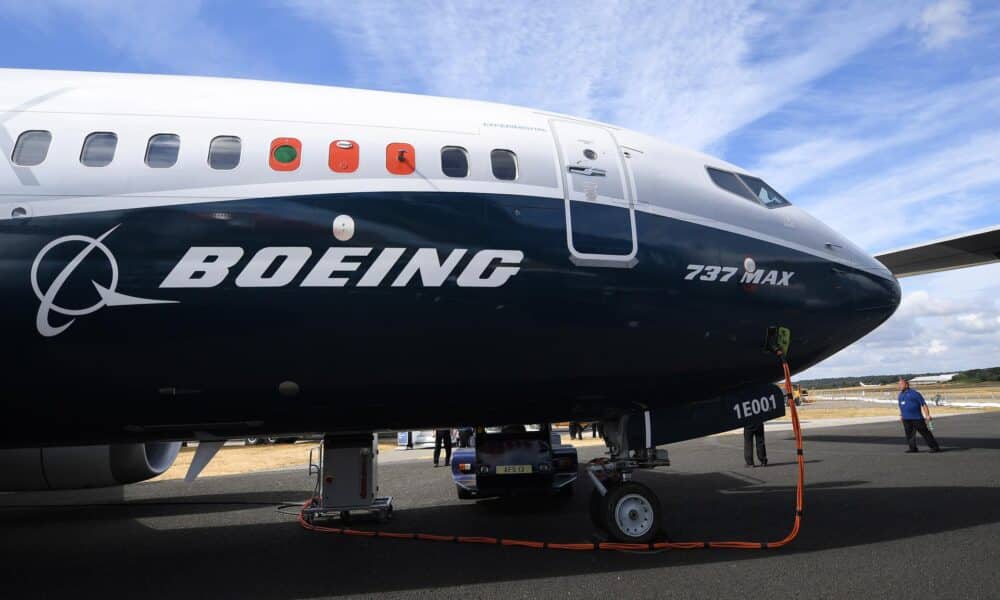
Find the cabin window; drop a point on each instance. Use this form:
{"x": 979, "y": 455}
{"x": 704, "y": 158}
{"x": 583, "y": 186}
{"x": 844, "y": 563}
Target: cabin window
{"x": 344, "y": 156}
{"x": 504, "y": 163}
{"x": 730, "y": 183}
{"x": 454, "y": 161}
{"x": 400, "y": 159}
{"x": 162, "y": 149}
{"x": 224, "y": 152}
{"x": 99, "y": 149}
{"x": 286, "y": 154}
{"x": 31, "y": 148}
{"x": 764, "y": 192}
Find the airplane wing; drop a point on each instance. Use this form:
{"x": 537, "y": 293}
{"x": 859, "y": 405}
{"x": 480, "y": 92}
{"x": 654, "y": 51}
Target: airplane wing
{"x": 965, "y": 250}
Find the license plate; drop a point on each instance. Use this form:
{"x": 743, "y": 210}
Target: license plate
{"x": 513, "y": 469}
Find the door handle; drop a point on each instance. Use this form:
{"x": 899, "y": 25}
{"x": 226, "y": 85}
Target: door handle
{"x": 588, "y": 171}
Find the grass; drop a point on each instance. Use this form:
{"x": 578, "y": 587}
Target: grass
{"x": 234, "y": 460}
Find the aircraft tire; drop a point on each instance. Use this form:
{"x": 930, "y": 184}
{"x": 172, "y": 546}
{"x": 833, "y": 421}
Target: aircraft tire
{"x": 633, "y": 513}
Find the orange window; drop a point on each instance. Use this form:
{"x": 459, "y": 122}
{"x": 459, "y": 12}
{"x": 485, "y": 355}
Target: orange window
{"x": 400, "y": 159}
{"x": 286, "y": 154}
{"x": 344, "y": 156}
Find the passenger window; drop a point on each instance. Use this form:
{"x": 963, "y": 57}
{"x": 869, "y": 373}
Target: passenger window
{"x": 454, "y": 161}
{"x": 224, "y": 153}
{"x": 730, "y": 183}
{"x": 162, "y": 149}
{"x": 504, "y": 163}
{"x": 31, "y": 148}
{"x": 99, "y": 149}
{"x": 286, "y": 154}
{"x": 764, "y": 192}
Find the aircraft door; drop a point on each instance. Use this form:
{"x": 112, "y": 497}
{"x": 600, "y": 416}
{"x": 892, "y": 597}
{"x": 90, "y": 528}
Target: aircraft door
{"x": 600, "y": 212}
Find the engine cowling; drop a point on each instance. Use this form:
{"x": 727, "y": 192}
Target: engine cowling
{"x": 75, "y": 467}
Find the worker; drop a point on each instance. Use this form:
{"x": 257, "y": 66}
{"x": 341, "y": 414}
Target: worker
{"x": 913, "y": 410}
{"x": 575, "y": 430}
{"x": 464, "y": 436}
{"x": 442, "y": 436}
{"x": 751, "y": 433}
{"x": 409, "y": 440}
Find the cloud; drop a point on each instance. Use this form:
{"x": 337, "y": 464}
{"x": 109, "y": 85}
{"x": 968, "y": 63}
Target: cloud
{"x": 926, "y": 198}
{"x": 943, "y": 22}
{"x": 680, "y": 71}
{"x": 866, "y": 122}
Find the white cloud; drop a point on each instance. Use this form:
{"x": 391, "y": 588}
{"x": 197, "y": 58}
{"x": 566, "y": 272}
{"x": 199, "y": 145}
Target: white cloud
{"x": 866, "y": 123}
{"x": 943, "y": 22}
{"x": 686, "y": 72}
{"x": 925, "y": 198}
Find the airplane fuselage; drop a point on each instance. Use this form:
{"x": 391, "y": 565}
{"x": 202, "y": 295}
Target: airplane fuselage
{"x": 370, "y": 289}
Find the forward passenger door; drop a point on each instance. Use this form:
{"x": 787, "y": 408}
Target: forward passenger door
{"x": 600, "y": 209}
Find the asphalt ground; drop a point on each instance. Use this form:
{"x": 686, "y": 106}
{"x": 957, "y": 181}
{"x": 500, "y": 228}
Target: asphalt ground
{"x": 877, "y": 523}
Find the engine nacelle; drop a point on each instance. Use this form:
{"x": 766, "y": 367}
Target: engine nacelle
{"x": 74, "y": 467}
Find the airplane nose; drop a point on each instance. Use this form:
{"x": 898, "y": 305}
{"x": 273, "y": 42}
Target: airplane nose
{"x": 877, "y": 293}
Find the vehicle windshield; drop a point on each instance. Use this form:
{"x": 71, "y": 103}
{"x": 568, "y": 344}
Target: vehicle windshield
{"x": 765, "y": 193}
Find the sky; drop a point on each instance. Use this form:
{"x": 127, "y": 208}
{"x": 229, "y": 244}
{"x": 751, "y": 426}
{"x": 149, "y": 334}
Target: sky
{"x": 882, "y": 119}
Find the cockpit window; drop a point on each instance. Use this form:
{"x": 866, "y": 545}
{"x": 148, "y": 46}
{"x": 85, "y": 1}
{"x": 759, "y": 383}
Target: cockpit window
{"x": 764, "y": 192}
{"x": 730, "y": 183}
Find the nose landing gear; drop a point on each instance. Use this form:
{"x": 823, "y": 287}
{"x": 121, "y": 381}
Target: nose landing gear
{"x": 627, "y": 510}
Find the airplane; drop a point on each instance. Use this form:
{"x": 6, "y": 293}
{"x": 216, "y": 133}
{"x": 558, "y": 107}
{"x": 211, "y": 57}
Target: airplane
{"x": 187, "y": 258}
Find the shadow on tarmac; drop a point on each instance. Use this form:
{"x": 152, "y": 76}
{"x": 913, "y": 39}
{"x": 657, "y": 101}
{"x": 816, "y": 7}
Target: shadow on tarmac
{"x": 120, "y": 549}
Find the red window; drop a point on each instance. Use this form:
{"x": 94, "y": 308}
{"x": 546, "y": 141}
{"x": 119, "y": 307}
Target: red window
{"x": 400, "y": 159}
{"x": 286, "y": 154}
{"x": 344, "y": 156}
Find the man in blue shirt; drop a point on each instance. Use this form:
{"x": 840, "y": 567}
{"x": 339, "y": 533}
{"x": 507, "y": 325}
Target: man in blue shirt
{"x": 913, "y": 411}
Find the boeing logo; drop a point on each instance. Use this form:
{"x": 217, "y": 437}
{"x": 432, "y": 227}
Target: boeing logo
{"x": 108, "y": 295}
{"x": 277, "y": 266}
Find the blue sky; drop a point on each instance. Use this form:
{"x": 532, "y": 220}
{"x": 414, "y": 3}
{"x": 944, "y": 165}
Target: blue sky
{"x": 882, "y": 119}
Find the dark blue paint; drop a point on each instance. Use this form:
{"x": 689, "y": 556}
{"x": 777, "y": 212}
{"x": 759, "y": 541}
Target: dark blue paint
{"x": 557, "y": 341}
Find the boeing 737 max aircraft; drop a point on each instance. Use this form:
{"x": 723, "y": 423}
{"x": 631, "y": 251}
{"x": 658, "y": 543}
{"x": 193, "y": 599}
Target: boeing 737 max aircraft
{"x": 195, "y": 258}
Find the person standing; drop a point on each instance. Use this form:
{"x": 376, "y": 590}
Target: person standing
{"x": 442, "y": 436}
{"x": 465, "y": 436}
{"x": 913, "y": 410}
{"x": 754, "y": 433}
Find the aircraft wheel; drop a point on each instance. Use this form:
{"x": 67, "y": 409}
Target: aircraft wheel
{"x": 633, "y": 513}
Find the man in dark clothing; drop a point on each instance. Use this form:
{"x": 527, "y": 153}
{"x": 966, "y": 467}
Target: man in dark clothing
{"x": 574, "y": 429}
{"x": 913, "y": 410}
{"x": 442, "y": 435}
{"x": 465, "y": 436}
{"x": 751, "y": 433}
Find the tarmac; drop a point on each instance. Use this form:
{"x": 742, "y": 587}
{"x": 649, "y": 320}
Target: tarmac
{"x": 877, "y": 523}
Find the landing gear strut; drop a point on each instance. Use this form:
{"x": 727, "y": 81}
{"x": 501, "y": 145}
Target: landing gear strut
{"x": 627, "y": 510}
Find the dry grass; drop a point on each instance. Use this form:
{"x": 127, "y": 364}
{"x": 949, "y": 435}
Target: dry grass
{"x": 807, "y": 412}
{"x": 234, "y": 460}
